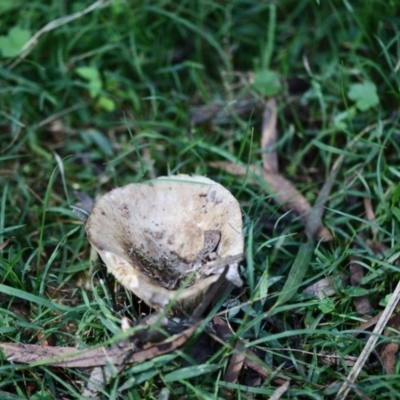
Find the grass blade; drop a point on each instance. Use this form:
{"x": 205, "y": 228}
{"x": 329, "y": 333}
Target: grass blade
{"x": 297, "y": 272}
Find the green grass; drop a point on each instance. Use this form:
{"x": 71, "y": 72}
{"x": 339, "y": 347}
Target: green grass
{"x": 107, "y": 99}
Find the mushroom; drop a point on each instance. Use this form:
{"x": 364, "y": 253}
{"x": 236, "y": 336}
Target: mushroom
{"x": 168, "y": 240}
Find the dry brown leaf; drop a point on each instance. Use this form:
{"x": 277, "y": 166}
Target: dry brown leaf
{"x": 389, "y": 351}
{"x": 280, "y": 391}
{"x": 388, "y": 355}
{"x": 49, "y": 341}
{"x": 254, "y": 362}
{"x": 235, "y": 169}
{"x": 222, "y": 113}
{"x": 235, "y": 363}
{"x": 282, "y": 190}
{"x": 83, "y": 206}
{"x": 222, "y": 329}
{"x": 72, "y": 357}
{"x": 362, "y": 304}
{"x": 99, "y": 378}
{"x": 288, "y": 195}
{"x": 378, "y": 248}
{"x": 268, "y": 136}
{"x": 224, "y": 333}
{"x": 367, "y": 324}
{"x": 369, "y": 212}
{"x": 6, "y": 243}
{"x": 323, "y": 288}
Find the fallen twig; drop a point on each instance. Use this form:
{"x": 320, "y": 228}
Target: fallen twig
{"x": 72, "y": 357}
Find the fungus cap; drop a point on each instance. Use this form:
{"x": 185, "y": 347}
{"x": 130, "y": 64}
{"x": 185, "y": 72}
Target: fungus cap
{"x": 165, "y": 239}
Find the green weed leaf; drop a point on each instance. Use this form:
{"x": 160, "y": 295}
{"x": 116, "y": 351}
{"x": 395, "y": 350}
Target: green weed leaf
{"x": 267, "y": 83}
{"x": 356, "y": 291}
{"x": 385, "y": 301}
{"x": 106, "y": 104}
{"x": 327, "y": 306}
{"x": 92, "y": 75}
{"x": 88, "y": 73}
{"x": 364, "y": 94}
{"x": 11, "y": 44}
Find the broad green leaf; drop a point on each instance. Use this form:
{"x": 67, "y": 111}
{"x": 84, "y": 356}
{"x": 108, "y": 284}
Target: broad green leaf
{"x": 267, "y": 83}
{"x": 364, "y": 94}
{"x": 385, "y": 301}
{"x": 327, "y": 306}
{"x": 106, "y": 104}
{"x": 264, "y": 283}
{"x": 11, "y": 44}
{"x": 297, "y": 272}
